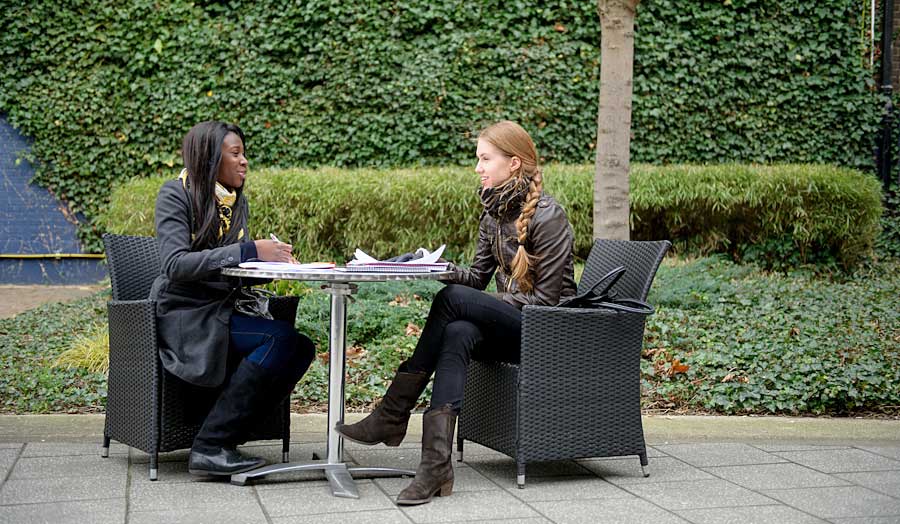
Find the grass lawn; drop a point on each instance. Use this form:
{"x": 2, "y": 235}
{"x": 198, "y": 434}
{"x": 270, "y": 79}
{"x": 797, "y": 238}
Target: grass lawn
{"x": 726, "y": 338}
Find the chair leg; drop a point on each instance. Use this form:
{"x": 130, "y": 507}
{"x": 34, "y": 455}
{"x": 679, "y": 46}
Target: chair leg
{"x": 104, "y": 450}
{"x": 286, "y": 449}
{"x": 154, "y": 465}
{"x": 520, "y": 475}
{"x": 644, "y": 464}
{"x": 459, "y": 449}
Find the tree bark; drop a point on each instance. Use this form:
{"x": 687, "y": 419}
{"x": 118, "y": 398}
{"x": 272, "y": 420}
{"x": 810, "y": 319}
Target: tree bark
{"x": 611, "y": 206}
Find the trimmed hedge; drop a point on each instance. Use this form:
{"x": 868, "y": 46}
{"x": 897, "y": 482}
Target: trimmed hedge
{"x": 782, "y": 215}
{"x": 107, "y": 89}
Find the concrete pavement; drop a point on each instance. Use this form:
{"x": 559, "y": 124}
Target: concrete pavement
{"x": 703, "y": 470}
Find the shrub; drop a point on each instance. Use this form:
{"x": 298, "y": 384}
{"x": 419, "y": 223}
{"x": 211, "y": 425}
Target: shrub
{"x": 107, "y": 89}
{"x": 777, "y": 215}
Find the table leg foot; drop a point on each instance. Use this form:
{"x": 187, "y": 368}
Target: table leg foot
{"x": 342, "y": 484}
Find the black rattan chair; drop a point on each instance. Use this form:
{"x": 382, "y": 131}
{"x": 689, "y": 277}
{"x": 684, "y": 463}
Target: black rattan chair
{"x": 147, "y": 407}
{"x": 576, "y": 392}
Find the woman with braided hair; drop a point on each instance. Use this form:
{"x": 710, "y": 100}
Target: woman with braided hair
{"x": 526, "y": 241}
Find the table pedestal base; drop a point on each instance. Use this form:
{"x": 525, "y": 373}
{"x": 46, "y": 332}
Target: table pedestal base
{"x": 338, "y": 475}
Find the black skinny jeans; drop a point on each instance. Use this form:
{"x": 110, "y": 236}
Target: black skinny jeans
{"x": 464, "y": 323}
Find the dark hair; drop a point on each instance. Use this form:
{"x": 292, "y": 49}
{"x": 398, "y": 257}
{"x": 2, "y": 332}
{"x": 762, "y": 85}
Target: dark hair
{"x": 201, "y": 151}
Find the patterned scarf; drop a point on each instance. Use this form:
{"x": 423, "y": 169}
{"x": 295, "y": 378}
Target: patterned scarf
{"x": 507, "y": 199}
{"x": 225, "y": 199}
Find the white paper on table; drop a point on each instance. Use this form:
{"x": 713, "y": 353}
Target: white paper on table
{"x": 360, "y": 257}
{"x": 286, "y": 266}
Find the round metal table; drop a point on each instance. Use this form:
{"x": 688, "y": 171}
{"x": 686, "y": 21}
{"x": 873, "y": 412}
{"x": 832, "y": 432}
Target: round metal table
{"x": 340, "y": 285}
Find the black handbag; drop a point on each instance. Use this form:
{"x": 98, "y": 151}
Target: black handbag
{"x": 599, "y": 296}
{"x": 253, "y": 302}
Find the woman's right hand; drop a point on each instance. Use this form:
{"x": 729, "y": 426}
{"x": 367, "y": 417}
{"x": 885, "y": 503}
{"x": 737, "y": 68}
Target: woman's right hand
{"x": 271, "y": 251}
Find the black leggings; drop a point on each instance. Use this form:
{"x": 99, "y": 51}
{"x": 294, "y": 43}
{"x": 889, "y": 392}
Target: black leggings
{"x": 464, "y": 323}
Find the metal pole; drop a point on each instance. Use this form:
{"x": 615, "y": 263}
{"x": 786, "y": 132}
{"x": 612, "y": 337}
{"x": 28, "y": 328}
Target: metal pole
{"x": 887, "y": 121}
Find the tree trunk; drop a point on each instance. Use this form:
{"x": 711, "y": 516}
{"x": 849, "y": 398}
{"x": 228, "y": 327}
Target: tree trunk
{"x": 611, "y": 209}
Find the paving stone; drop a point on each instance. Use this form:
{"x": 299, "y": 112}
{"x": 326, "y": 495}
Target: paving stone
{"x": 401, "y": 458}
{"x": 562, "y": 488}
{"x": 168, "y": 472}
{"x": 535, "y": 520}
{"x": 886, "y": 451}
{"x": 795, "y": 446}
{"x": 470, "y": 505}
{"x": 313, "y": 498}
{"x": 57, "y": 449}
{"x": 10, "y": 445}
{"x": 893, "y": 519}
{"x": 109, "y": 511}
{"x": 696, "y": 494}
{"x": 620, "y": 511}
{"x": 705, "y": 455}
{"x": 152, "y": 496}
{"x": 887, "y": 482}
{"x": 838, "y": 502}
{"x": 234, "y": 515}
{"x": 386, "y": 516}
{"x": 71, "y": 466}
{"x": 505, "y": 468}
{"x": 775, "y": 476}
{"x": 628, "y": 471}
{"x": 464, "y": 479}
{"x": 841, "y": 460}
{"x": 28, "y": 491}
{"x": 7, "y": 458}
{"x": 139, "y": 457}
{"x": 749, "y": 515}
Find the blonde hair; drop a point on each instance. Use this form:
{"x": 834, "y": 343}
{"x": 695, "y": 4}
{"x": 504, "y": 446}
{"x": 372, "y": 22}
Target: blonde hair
{"x": 513, "y": 141}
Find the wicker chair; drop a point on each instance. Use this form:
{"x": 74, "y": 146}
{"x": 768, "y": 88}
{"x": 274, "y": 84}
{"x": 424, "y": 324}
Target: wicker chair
{"x": 576, "y": 392}
{"x": 147, "y": 407}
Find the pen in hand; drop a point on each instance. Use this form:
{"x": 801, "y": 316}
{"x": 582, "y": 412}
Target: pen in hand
{"x": 275, "y": 239}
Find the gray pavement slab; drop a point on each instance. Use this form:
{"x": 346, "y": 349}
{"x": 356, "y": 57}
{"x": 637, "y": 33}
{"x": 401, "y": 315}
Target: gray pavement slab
{"x": 750, "y": 515}
{"x": 52, "y": 489}
{"x": 70, "y": 466}
{"x": 703, "y": 469}
{"x": 383, "y": 516}
{"x": 775, "y": 476}
{"x": 108, "y": 511}
{"x": 620, "y": 511}
{"x": 628, "y": 471}
{"x": 838, "y": 502}
{"x": 235, "y": 515}
{"x": 470, "y": 505}
{"x": 719, "y": 454}
{"x": 887, "y": 482}
{"x": 841, "y": 460}
{"x": 310, "y": 498}
{"x": 697, "y": 494}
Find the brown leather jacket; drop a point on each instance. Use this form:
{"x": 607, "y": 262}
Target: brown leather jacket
{"x": 550, "y": 242}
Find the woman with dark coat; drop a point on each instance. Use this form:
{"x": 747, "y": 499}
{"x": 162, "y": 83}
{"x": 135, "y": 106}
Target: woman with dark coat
{"x": 201, "y": 226}
{"x": 525, "y": 238}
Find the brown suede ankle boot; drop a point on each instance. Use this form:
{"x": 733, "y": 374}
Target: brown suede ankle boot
{"x": 389, "y": 420}
{"x": 434, "y": 476}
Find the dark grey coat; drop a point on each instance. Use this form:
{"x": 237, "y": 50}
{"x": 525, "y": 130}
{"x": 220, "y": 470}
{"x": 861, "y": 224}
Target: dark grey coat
{"x": 193, "y": 300}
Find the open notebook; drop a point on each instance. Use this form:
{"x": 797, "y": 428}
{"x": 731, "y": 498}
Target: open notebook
{"x": 363, "y": 263}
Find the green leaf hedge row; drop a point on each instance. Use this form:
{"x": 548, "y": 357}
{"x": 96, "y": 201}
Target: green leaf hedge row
{"x": 107, "y": 89}
{"x": 788, "y": 214}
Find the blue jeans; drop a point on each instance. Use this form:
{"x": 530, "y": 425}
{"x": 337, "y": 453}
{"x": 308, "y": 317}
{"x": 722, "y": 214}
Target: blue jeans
{"x": 272, "y": 344}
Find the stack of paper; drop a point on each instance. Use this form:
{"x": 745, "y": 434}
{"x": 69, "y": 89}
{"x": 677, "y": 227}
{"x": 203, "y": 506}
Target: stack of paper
{"x": 427, "y": 263}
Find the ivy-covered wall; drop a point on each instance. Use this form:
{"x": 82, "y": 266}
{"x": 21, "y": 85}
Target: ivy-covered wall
{"x": 107, "y": 89}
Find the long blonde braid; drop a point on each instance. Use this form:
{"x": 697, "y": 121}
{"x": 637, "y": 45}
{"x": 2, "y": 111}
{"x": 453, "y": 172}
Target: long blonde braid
{"x": 510, "y": 138}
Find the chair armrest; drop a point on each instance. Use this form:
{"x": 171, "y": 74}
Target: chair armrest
{"x": 284, "y": 308}
{"x": 132, "y": 332}
{"x": 580, "y": 346}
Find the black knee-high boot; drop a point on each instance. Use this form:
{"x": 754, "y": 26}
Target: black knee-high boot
{"x": 214, "y": 450}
